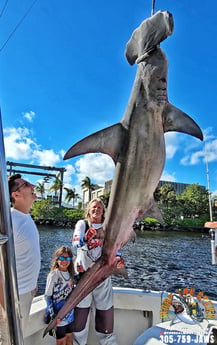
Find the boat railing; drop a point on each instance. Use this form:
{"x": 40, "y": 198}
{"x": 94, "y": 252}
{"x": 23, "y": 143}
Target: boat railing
{"x": 10, "y": 324}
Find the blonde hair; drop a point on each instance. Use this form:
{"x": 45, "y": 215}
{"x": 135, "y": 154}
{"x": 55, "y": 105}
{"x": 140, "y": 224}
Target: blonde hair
{"x": 59, "y": 252}
{"x": 87, "y": 215}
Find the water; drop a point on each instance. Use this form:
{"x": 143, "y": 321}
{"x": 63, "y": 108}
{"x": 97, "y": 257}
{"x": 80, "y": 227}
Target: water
{"x": 155, "y": 261}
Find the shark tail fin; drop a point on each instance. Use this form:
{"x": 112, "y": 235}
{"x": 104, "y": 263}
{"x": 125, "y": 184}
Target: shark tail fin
{"x": 176, "y": 120}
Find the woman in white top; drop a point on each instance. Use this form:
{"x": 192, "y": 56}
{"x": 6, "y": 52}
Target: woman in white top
{"x": 88, "y": 239}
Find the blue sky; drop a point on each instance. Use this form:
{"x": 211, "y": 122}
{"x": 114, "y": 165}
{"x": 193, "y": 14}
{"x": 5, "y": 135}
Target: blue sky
{"x": 64, "y": 75}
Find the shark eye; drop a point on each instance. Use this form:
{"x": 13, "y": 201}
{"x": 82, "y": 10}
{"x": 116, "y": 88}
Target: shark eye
{"x": 163, "y": 80}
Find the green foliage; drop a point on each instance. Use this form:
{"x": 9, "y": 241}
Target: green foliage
{"x": 73, "y": 215}
{"x": 150, "y": 221}
{"x": 42, "y": 209}
{"x": 192, "y": 203}
{"x": 195, "y": 201}
{"x": 45, "y": 209}
{"x": 192, "y": 222}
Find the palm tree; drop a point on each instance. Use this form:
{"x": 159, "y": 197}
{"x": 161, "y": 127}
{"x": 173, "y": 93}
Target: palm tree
{"x": 86, "y": 184}
{"x": 105, "y": 198}
{"x": 57, "y": 185}
{"x": 71, "y": 195}
{"x": 40, "y": 188}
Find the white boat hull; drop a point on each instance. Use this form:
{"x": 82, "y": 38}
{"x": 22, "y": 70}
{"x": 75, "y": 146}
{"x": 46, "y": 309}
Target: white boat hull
{"x": 135, "y": 311}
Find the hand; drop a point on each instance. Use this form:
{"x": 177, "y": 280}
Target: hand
{"x": 120, "y": 263}
{"x": 91, "y": 233}
{"x": 93, "y": 243}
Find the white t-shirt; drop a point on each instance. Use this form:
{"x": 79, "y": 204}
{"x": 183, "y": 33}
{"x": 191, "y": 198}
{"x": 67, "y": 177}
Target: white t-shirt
{"x": 27, "y": 251}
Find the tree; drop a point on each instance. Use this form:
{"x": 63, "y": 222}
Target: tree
{"x": 57, "y": 185}
{"x": 86, "y": 184}
{"x": 40, "y": 189}
{"x": 167, "y": 202}
{"x": 42, "y": 209}
{"x": 166, "y": 195}
{"x": 105, "y": 198}
{"x": 71, "y": 195}
{"x": 195, "y": 201}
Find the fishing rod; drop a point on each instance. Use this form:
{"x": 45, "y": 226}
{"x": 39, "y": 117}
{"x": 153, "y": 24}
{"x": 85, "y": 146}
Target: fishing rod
{"x": 212, "y": 225}
{"x": 152, "y": 8}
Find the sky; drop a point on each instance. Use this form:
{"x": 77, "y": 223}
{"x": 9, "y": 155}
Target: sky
{"x": 64, "y": 75}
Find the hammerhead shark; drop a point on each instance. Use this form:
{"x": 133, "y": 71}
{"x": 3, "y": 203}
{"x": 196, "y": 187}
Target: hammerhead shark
{"x": 137, "y": 147}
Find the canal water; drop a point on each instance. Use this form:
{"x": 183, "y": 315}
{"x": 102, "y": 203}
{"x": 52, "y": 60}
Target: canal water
{"x": 157, "y": 260}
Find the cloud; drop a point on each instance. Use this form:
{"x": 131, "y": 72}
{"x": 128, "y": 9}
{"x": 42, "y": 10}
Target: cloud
{"x": 46, "y": 157}
{"x": 18, "y": 144}
{"x": 98, "y": 167}
{"x": 208, "y": 150}
{"x": 70, "y": 170}
{"x": 171, "y": 144}
{"x": 29, "y": 115}
{"x": 168, "y": 177}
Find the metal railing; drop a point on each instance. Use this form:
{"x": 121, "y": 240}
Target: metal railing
{"x": 10, "y": 324}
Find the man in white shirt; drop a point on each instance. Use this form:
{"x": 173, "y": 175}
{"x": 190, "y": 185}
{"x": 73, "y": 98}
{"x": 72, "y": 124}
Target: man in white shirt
{"x": 26, "y": 243}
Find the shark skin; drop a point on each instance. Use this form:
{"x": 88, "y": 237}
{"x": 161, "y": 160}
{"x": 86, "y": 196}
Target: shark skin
{"x": 137, "y": 147}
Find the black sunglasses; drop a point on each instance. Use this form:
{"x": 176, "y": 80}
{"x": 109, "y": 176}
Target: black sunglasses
{"x": 27, "y": 184}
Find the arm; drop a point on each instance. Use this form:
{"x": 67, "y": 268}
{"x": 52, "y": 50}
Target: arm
{"x": 79, "y": 233}
{"x": 49, "y": 308}
{"x": 48, "y": 295}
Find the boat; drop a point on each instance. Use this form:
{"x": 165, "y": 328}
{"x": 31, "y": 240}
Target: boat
{"x": 141, "y": 317}
{"x": 138, "y": 314}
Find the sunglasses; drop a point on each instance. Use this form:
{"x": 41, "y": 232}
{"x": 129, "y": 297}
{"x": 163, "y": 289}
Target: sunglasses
{"x": 64, "y": 258}
{"x": 26, "y": 184}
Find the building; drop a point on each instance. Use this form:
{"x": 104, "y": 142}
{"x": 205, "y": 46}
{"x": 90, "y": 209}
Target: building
{"x": 179, "y": 187}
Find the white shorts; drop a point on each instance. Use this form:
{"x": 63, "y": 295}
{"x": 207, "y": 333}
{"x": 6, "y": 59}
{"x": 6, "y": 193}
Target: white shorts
{"x": 102, "y": 296}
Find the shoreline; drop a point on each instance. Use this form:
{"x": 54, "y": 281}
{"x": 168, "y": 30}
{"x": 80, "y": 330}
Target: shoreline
{"x": 139, "y": 226}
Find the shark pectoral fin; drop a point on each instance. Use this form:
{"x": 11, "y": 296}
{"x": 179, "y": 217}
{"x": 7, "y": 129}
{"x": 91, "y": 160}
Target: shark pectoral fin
{"x": 154, "y": 212}
{"x": 109, "y": 141}
{"x": 176, "y": 120}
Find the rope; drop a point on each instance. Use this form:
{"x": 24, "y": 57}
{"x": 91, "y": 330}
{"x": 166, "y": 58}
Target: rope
{"x": 3, "y": 8}
{"x": 18, "y": 24}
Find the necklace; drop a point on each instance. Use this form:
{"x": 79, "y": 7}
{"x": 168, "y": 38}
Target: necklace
{"x": 66, "y": 279}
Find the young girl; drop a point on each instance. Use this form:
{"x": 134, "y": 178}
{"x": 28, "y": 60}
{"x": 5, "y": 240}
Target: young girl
{"x": 60, "y": 283}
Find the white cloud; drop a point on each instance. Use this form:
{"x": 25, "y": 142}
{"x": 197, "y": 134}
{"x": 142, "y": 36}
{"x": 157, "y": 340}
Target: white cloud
{"x": 98, "y": 167}
{"x": 70, "y": 170}
{"x": 168, "y": 177}
{"x": 18, "y": 144}
{"x": 46, "y": 157}
{"x": 208, "y": 135}
{"x": 29, "y": 115}
{"x": 208, "y": 150}
{"x": 171, "y": 144}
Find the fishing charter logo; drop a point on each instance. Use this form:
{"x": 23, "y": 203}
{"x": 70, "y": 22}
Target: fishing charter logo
{"x": 190, "y": 309}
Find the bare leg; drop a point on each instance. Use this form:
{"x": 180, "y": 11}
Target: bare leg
{"x": 69, "y": 339}
{"x": 61, "y": 341}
